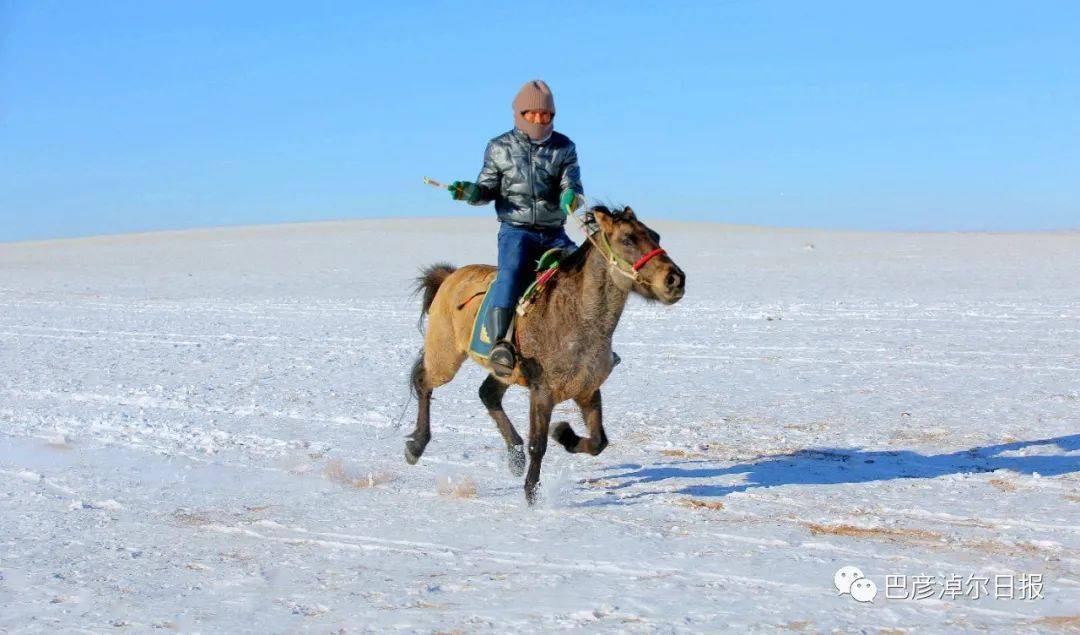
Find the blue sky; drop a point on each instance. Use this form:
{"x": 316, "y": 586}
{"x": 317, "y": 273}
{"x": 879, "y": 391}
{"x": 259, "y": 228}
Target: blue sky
{"x": 133, "y": 116}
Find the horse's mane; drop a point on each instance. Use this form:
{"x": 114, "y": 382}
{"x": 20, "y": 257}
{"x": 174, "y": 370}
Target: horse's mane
{"x": 615, "y": 211}
{"x": 577, "y": 260}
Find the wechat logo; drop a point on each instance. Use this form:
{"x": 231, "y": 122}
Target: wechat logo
{"x": 850, "y": 580}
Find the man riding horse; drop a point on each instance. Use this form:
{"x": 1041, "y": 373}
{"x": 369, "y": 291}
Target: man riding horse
{"x": 564, "y": 338}
{"x": 531, "y": 172}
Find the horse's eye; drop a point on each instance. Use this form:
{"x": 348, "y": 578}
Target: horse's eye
{"x": 628, "y": 241}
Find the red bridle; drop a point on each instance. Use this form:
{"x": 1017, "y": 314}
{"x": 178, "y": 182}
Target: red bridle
{"x": 644, "y": 260}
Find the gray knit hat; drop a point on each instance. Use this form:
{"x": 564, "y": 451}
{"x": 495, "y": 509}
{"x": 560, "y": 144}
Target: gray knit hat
{"x": 534, "y": 95}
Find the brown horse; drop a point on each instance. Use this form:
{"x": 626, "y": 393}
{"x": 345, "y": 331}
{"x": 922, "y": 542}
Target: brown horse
{"x": 563, "y": 342}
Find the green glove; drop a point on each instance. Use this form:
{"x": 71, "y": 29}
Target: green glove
{"x": 464, "y": 191}
{"x": 570, "y": 201}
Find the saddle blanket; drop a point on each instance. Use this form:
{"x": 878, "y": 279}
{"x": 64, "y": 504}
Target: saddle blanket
{"x": 482, "y": 341}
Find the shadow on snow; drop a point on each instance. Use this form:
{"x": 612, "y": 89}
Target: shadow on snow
{"x": 831, "y": 466}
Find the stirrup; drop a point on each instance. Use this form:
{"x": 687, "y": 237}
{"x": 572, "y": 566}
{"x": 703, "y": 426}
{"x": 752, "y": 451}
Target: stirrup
{"x": 503, "y": 359}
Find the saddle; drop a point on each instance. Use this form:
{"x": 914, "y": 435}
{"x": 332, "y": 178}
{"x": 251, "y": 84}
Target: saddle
{"x": 546, "y": 268}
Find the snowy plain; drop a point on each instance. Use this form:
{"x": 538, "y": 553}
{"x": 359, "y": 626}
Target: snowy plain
{"x": 201, "y": 431}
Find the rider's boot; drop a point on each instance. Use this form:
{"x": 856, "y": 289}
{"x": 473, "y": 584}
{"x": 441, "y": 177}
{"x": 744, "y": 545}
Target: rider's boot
{"x": 503, "y": 356}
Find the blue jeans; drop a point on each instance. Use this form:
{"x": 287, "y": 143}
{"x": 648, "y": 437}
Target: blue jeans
{"x": 519, "y": 249}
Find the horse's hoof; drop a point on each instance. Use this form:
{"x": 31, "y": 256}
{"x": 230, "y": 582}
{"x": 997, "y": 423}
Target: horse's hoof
{"x": 413, "y": 452}
{"x": 532, "y": 494}
{"x": 565, "y": 436}
{"x": 515, "y": 459}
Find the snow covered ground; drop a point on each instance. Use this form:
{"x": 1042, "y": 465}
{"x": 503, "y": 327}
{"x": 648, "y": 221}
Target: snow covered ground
{"x": 199, "y": 432}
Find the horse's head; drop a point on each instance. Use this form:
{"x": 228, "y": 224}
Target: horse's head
{"x": 651, "y": 272}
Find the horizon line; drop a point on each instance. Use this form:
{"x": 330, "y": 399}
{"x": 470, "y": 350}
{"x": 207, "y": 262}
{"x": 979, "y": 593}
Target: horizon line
{"x": 475, "y": 217}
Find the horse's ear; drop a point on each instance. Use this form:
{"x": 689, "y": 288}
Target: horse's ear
{"x": 628, "y": 213}
{"x": 603, "y": 217}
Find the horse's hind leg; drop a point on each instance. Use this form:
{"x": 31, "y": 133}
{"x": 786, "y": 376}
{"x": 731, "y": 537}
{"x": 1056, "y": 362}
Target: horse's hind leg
{"x": 592, "y": 412}
{"x": 491, "y": 393}
{"x": 429, "y": 372}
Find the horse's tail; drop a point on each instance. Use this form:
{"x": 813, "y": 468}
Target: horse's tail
{"x": 417, "y": 376}
{"x": 429, "y": 281}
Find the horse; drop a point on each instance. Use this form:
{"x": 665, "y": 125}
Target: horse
{"x": 563, "y": 341}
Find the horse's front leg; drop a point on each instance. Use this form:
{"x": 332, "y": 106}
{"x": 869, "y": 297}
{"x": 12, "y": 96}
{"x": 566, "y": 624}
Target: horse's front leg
{"x": 541, "y": 404}
{"x": 592, "y": 413}
{"x": 491, "y": 393}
